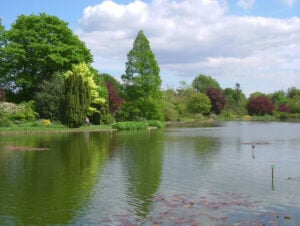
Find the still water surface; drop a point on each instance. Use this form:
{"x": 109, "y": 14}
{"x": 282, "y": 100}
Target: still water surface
{"x": 220, "y": 174}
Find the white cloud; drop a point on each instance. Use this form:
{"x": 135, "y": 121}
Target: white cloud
{"x": 290, "y": 3}
{"x": 246, "y": 4}
{"x": 190, "y": 37}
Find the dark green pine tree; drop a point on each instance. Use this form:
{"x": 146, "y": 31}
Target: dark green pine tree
{"x": 141, "y": 83}
{"x": 75, "y": 101}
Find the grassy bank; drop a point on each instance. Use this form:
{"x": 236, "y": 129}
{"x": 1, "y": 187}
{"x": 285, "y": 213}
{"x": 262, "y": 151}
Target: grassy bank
{"x": 37, "y": 127}
{"x": 41, "y": 126}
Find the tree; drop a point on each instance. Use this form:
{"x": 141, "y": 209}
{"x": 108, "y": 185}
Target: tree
{"x": 3, "y": 67}
{"x": 238, "y": 92}
{"x": 199, "y": 103}
{"x": 107, "y": 78}
{"x": 294, "y": 104}
{"x": 114, "y": 100}
{"x": 48, "y": 97}
{"x": 98, "y": 108}
{"x": 75, "y": 101}
{"x": 260, "y": 105}
{"x": 293, "y": 91}
{"x": 36, "y": 47}
{"x": 234, "y": 104}
{"x": 217, "y": 100}
{"x": 279, "y": 97}
{"x": 284, "y": 108}
{"x": 141, "y": 82}
{"x": 202, "y": 82}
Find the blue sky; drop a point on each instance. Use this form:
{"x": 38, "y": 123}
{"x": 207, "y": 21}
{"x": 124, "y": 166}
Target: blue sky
{"x": 253, "y": 42}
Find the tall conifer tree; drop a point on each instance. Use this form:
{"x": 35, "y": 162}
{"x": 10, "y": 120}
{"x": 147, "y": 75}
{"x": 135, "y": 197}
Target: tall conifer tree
{"x": 75, "y": 101}
{"x": 142, "y": 94}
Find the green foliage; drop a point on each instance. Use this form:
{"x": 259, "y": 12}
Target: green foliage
{"x": 156, "y": 123}
{"x": 293, "y": 91}
{"x": 75, "y": 101}
{"x": 202, "y": 82}
{"x": 98, "y": 109}
{"x": 23, "y": 112}
{"x": 48, "y": 97}
{"x": 235, "y": 101}
{"x": 294, "y": 104}
{"x": 130, "y": 125}
{"x": 5, "y": 122}
{"x": 199, "y": 103}
{"x": 279, "y": 97}
{"x": 36, "y": 47}
{"x": 141, "y": 88}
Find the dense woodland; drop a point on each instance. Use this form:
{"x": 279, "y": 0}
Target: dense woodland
{"x": 46, "y": 75}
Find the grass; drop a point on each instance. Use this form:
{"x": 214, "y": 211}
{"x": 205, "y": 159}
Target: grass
{"x": 38, "y": 126}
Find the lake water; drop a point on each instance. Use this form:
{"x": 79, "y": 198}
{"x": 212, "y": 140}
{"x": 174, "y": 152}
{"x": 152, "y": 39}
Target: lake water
{"x": 213, "y": 175}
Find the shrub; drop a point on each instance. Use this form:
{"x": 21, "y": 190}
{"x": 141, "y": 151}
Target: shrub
{"x": 199, "y": 103}
{"x": 130, "y": 125}
{"x": 217, "y": 99}
{"x": 23, "y": 112}
{"x": 284, "y": 108}
{"x": 4, "y": 122}
{"x": 156, "y": 123}
{"x": 260, "y": 105}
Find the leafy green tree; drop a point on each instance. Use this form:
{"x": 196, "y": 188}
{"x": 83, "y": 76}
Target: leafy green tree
{"x": 75, "y": 101}
{"x": 98, "y": 109}
{"x": 141, "y": 83}
{"x": 184, "y": 93}
{"x": 256, "y": 94}
{"x": 3, "y": 66}
{"x": 171, "y": 105}
{"x": 48, "y": 97}
{"x": 294, "y": 104}
{"x": 235, "y": 100}
{"x": 293, "y": 91}
{"x": 202, "y": 82}
{"x": 107, "y": 78}
{"x": 279, "y": 97}
{"x": 199, "y": 103}
{"x": 36, "y": 47}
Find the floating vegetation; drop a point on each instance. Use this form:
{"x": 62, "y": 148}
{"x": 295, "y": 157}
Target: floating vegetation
{"x": 182, "y": 209}
{"x": 26, "y": 148}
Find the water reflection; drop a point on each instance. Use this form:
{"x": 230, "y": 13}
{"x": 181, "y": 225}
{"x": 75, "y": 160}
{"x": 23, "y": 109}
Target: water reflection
{"x": 49, "y": 187}
{"x": 209, "y": 174}
{"x": 142, "y": 157}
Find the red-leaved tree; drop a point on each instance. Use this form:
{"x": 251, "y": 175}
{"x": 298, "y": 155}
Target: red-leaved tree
{"x": 217, "y": 99}
{"x": 115, "y": 101}
{"x": 260, "y": 105}
{"x": 284, "y": 108}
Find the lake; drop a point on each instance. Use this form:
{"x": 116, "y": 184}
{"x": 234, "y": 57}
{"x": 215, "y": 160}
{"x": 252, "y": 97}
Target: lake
{"x": 227, "y": 173}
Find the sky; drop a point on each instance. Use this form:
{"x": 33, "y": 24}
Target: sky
{"x": 252, "y": 42}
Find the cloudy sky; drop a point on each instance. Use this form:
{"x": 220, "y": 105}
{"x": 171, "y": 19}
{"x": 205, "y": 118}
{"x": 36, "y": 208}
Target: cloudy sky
{"x": 253, "y": 42}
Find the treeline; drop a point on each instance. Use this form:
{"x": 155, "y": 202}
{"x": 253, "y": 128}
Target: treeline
{"x": 205, "y": 97}
{"x": 46, "y": 73}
